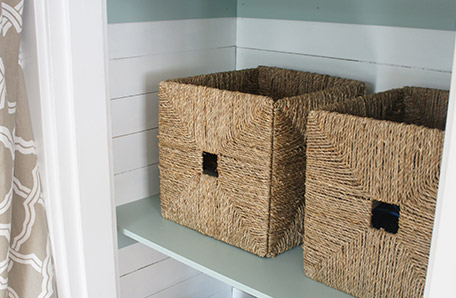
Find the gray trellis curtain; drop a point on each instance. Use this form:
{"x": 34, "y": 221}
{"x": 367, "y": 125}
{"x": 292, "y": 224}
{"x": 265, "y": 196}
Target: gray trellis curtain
{"x": 26, "y": 267}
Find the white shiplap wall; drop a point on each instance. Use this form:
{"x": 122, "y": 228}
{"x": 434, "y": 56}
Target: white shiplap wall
{"x": 384, "y": 57}
{"x": 143, "y": 54}
{"x": 140, "y": 56}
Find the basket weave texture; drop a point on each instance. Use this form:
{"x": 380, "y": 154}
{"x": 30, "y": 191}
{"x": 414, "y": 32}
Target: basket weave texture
{"x": 385, "y": 147}
{"x": 254, "y": 120}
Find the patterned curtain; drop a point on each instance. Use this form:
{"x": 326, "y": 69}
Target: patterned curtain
{"x": 26, "y": 267}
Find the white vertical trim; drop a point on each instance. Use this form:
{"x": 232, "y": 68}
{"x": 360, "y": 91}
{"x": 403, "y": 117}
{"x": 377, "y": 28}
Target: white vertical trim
{"x": 74, "y": 143}
{"x": 54, "y": 139}
{"x": 442, "y": 261}
{"x": 87, "y": 31}
{"x": 114, "y": 243}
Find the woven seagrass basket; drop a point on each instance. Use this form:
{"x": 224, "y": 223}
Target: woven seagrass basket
{"x": 372, "y": 175}
{"x": 232, "y": 152}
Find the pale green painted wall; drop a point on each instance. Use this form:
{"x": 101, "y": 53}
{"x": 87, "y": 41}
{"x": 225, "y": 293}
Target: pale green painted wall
{"x": 124, "y": 11}
{"x": 429, "y": 14}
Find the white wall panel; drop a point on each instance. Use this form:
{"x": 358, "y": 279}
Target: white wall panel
{"x": 222, "y": 294}
{"x": 133, "y": 114}
{"x": 144, "y": 38}
{"x": 136, "y": 150}
{"x": 419, "y": 48}
{"x": 136, "y": 256}
{"x": 201, "y": 286}
{"x": 141, "y": 75}
{"x": 142, "y": 55}
{"x": 378, "y": 77}
{"x": 136, "y": 184}
{"x": 154, "y": 278}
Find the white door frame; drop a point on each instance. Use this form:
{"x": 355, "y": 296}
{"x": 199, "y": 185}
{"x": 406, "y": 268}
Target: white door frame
{"x": 65, "y": 61}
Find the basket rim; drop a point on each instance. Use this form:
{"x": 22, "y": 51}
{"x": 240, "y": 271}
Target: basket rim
{"x": 374, "y": 120}
{"x": 315, "y": 113}
{"x": 268, "y": 98}
{"x": 265, "y": 67}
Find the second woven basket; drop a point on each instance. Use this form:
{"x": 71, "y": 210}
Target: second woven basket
{"x": 371, "y": 189}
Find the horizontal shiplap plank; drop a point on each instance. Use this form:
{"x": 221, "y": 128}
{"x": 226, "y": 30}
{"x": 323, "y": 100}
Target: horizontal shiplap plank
{"x": 378, "y": 77}
{"x": 145, "y": 38}
{"x": 135, "y": 150}
{"x": 201, "y": 285}
{"x": 154, "y": 278}
{"x": 137, "y": 256}
{"x": 133, "y": 114}
{"x": 141, "y": 75}
{"x": 421, "y": 48}
{"x": 136, "y": 184}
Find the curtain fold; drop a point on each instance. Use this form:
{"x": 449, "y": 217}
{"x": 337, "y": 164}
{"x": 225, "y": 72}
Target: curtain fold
{"x": 26, "y": 266}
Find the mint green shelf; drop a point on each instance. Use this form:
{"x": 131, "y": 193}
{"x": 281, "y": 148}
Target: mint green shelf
{"x": 282, "y": 276}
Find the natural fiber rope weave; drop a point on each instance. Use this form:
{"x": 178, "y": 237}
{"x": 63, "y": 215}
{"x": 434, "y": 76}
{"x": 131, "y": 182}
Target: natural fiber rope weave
{"x": 353, "y": 160}
{"x": 254, "y": 120}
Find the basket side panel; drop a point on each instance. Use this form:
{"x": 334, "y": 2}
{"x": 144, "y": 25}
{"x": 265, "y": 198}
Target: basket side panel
{"x": 296, "y": 108}
{"x": 289, "y": 163}
{"x": 388, "y": 105}
{"x": 352, "y": 161}
{"x": 411, "y": 105}
{"x": 334, "y": 82}
{"x": 389, "y": 263}
{"x": 209, "y": 118}
{"x": 391, "y": 157}
{"x": 245, "y": 81}
{"x": 427, "y": 107}
{"x": 237, "y": 128}
{"x": 279, "y": 83}
{"x": 177, "y": 168}
{"x": 287, "y": 186}
{"x": 175, "y": 109}
{"x": 218, "y": 207}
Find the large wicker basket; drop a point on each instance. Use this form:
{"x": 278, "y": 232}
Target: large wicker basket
{"x": 371, "y": 188}
{"x": 232, "y": 153}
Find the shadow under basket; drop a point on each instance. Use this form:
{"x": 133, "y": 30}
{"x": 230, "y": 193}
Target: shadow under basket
{"x": 373, "y": 166}
{"x": 232, "y": 152}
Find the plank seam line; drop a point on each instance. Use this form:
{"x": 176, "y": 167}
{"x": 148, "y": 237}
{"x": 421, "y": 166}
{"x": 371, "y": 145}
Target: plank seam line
{"x": 135, "y": 132}
{"x": 347, "y": 59}
{"x": 143, "y": 267}
{"x": 135, "y": 169}
{"x": 133, "y": 95}
{"x": 172, "y": 52}
{"x": 179, "y": 282}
